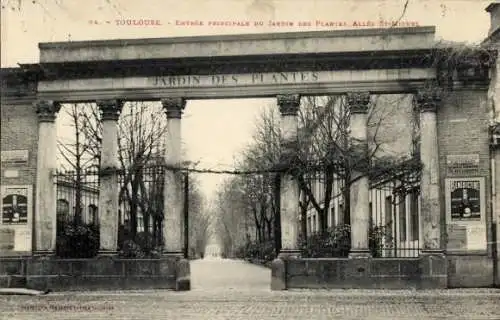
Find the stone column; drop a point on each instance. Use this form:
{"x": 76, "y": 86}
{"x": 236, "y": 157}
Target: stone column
{"x": 45, "y": 213}
{"x": 289, "y": 188}
{"x": 427, "y": 103}
{"x": 173, "y": 197}
{"x": 359, "y": 190}
{"x": 108, "y": 183}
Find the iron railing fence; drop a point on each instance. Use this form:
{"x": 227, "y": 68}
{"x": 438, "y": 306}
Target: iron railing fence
{"x": 77, "y": 195}
{"x": 394, "y": 213}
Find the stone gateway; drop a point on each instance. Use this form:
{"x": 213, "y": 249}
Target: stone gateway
{"x": 357, "y": 63}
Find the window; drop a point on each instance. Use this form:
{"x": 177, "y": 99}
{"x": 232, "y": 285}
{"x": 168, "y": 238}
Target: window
{"x": 313, "y": 224}
{"x": 342, "y": 215}
{"x": 414, "y": 220}
{"x": 402, "y": 218}
{"x": 388, "y": 213}
{"x": 388, "y": 221}
{"x": 140, "y": 223}
{"x": 62, "y": 209}
{"x": 370, "y": 214}
{"x": 93, "y": 216}
{"x": 332, "y": 217}
{"x": 309, "y": 225}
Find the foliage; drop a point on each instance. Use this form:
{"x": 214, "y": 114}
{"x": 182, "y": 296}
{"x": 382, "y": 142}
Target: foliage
{"x": 131, "y": 250}
{"x": 336, "y": 242}
{"x": 142, "y": 246}
{"x": 200, "y": 219}
{"x": 77, "y": 240}
{"x": 255, "y": 250}
{"x": 379, "y": 238}
{"x": 141, "y": 130}
{"x": 332, "y": 243}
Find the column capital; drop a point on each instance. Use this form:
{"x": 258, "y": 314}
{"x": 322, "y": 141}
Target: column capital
{"x": 46, "y": 110}
{"x": 358, "y": 101}
{"x": 289, "y": 104}
{"x": 428, "y": 100}
{"x": 110, "y": 109}
{"x": 173, "y": 107}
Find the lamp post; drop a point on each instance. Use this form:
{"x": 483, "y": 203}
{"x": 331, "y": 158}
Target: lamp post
{"x": 186, "y": 214}
{"x": 186, "y": 205}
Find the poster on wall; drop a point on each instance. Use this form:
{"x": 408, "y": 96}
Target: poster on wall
{"x": 465, "y": 198}
{"x": 15, "y": 206}
{"x": 466, "y": 207}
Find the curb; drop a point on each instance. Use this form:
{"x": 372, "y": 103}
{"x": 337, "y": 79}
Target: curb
{"x": 22, "y": 291}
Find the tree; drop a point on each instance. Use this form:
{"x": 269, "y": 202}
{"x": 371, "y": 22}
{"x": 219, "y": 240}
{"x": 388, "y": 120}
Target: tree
{"x": 141, "y": 131}
{"x": 141, "y": 128}
{"x": 79, "y": 151}
{"x": 199, "y": 218}
{"x": 325, "y": 152}
{"x": 230, "y": 214}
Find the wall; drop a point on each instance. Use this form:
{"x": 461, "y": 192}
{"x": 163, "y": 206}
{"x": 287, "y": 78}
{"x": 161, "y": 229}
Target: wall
{"x": 463, "y": 130}
{"x": 19, "y": 131}
{"x": 104, "y": 273}
{"x": 385, "y": 273}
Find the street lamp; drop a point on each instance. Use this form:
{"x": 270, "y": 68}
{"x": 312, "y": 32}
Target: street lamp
{"x": 185, "y": 174}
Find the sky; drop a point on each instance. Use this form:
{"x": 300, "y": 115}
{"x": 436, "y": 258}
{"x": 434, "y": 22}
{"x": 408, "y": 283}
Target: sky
{"x": 214, "y": 131}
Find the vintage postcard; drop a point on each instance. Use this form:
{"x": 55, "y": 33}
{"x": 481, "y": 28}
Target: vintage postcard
{"x": 241, "y": 159}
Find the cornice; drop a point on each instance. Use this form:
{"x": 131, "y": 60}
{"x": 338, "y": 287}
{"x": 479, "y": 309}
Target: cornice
{"x": 239, "y": 37}
{"x": 237, "y": 64}
{"x": 264, "y": 91}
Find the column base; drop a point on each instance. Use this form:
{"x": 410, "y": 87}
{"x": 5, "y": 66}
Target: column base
{"x": 107, "y": 253}
{"x": 289, "y": 254}
{"x": 182, "y": 275}
{"x": 360, "y": 253}
{"x": 432, "y": 252}
{"x": 278, "y": 275}
{"x": 44, "y": 253}
{"x": 176, "y": 254}
{"x": 433, "y": 266}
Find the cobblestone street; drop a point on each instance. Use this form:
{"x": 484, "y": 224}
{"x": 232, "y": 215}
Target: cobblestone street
{"x": 228, "y": 289}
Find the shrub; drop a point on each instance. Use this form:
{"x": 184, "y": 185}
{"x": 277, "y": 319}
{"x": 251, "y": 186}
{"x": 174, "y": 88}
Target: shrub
{"x": 376, "y": 238}
{"x": 257, "y": 250}
{"x": 142, "y": 246}
{"x": 145, "y": 241}
{"x": 130, "y": 249}
{"x": 334, "y": 242}
{"x": 77, "y": 240}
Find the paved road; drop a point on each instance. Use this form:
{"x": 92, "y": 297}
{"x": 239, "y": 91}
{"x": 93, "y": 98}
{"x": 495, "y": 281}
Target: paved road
{"x": 226, "y": 289}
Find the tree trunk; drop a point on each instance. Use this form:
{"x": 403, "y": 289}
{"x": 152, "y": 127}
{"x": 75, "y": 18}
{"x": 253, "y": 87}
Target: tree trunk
{"x": 329, "y": 177}
{"x": 155, "y": 232}
{"x": 258, "y": 226}
{"x": 133, "y": 209}
{"x": 347, "y": 200}
{"x": 77, "y": 218}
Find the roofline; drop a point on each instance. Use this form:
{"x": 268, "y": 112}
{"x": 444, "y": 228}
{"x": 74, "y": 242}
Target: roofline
{"x": 239, "y": 37}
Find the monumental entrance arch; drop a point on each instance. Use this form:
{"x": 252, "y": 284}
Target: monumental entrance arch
{"x": 286, "y": 66}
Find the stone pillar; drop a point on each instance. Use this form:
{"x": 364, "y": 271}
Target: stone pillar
{"x": 173, "y": 198}
{"x": 108, "y": 183}
{"x": 45, "y": 213}
{"x": 173, "y": 222}
{"x": 289, "y": 188}
{"x": 427, "y": 103}
{"x": 359, "y": 190}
